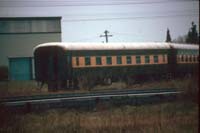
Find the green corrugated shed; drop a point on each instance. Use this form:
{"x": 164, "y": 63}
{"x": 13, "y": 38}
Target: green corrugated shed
{"x": 19, "y": 36}
{"x": 20, "y": 68}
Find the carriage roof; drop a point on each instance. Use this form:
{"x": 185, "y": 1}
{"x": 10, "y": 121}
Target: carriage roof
{"x": 118, "y": 46}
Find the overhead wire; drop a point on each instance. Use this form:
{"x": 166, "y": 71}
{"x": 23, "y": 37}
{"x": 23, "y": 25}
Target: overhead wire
{"x": 131, "y": 18}
{"x": 129, "y": 13}
{"x": 20, "y": 3}
{"x": 104, "y": 3}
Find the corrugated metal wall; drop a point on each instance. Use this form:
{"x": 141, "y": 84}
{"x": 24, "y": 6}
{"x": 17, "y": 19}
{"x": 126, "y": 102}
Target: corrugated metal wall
{"x": 30, "y": 25}
{"x": 20, "y": 68}
{"x": 18, "y": 37}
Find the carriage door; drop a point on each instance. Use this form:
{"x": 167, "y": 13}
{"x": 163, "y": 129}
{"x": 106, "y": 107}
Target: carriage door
{"x": 53, "y": 64}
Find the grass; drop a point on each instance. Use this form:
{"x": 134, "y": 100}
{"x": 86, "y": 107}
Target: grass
{"x": 17, "y": 88}
{"x": 161, "y": 118}
{"x": 179, "y": 116}
{"x": 24, "y": 88}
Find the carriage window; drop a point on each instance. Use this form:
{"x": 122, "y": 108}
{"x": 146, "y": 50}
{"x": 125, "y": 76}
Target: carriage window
{"x": 138, "y": 60}
{"x": 109, "y": 60}
{"x": 77, "y": 61}
{"x": 146, "y": 59}
{"x": 163, "y": 58}
{"x": 194, "y": 59}
{"x": 128, "y": 59}
{"x": 119, "y": 60}
{"x": 155, "y": 57}
{"x": 87, "y": 61}
{"x": 98, "y": 60}
{"x": 186, "y": 58}
{"x": 178, "y": 58}
{"x": 182, "y": 58}
{"x": 190, "y": 58}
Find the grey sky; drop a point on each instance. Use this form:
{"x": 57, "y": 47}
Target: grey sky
{"x": 127, "y": 20}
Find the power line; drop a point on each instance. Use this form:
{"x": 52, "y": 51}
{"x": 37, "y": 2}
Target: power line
{"x": 130, "y": 13}
{"x": 80, "y": 3}
{"x": 131, "y": 18}
{"x": 92, "y": 1}
{"x": 107, "y": 16}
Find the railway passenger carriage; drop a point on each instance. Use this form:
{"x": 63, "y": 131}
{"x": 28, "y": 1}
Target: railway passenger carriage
{"x": 62, "y": 65}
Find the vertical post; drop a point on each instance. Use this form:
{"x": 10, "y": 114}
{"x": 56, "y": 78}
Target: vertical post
{"x": 106, "y": 35}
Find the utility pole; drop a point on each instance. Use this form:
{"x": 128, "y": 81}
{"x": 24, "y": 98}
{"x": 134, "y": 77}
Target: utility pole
{"x": 106, "y": 35}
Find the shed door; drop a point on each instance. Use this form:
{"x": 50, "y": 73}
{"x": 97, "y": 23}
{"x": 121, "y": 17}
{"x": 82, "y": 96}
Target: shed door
{"x": 20, "y": 68}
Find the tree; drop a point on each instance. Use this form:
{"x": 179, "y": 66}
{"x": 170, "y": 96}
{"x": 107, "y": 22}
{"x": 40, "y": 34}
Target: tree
{"x": 180, "y": 39}
{"x": 192, "y": 36}
{"x": 168, "y": 38}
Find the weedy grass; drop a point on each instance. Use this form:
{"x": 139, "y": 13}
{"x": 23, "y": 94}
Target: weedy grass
{"x": 25, "y": 88}
{"x": 17, "y": 88}
{"x": 178, "y": 116}
{"x": 160, "y": 118}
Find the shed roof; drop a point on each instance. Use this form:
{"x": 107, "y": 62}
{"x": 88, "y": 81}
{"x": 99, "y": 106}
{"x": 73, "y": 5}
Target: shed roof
{"x": 118, "y": 46}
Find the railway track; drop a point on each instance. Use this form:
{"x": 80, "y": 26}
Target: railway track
{"x": 88, "y": 100}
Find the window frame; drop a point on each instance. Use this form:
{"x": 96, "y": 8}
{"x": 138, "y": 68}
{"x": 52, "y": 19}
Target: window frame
{"x": 155, "y": 59}
{"x": 98, "y": 60}
{"x": 87, "y": 61}
{"x": 182, "y": 58}
{"x": 128, "y": 59}
{"x": 138, "y": 59}
{"x": 146, "y": 60}
{"x": 164, "y": 58}
{"x": 194, "y": 58}
{"x": 109, "y": 60}
{"x": 119, "y": 60}
{"x": 190, "y": 58}
{"x": 77, "y": 61}
{"x": 186, "y": 58}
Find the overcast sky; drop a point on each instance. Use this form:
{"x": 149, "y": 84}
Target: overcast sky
{"x": 126, "y": 20}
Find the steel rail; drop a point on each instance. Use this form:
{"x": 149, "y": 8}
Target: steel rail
{"x": 85, "y": 97}
{"x": 91, "y": 93}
